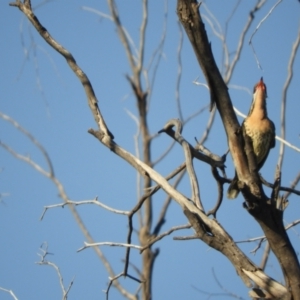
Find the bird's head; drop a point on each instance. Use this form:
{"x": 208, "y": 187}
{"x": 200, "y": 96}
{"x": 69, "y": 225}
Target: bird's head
{"x": 259, "y": 97}
{"x": 260, "y": 89}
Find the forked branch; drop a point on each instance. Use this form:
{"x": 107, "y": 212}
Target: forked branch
{"x": 259, "y": 206}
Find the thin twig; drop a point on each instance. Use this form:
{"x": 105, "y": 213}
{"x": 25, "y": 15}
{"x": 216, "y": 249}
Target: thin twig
{"x": 231, "y": 294}
{"x": 90, "y": 95}
{"x": 88, "y": 245}
{"x": 264, "y": 19}
{"x": 110, "y": 18}
{"x": 62, "y": 194}
{"x": 256, "y": 29}
{"x": 31, "y": 138}
{"x": 281, "y": 188}
{"x": 196, "y": 154}
{"x": 263, "y": 237}
{"x": 266, "y": 256}
{"x": 158, "y": 54}
{"x": 123, "y": 36}
{"x": 179, "y": 73}
{"x": 208, "y": 126}
{"x": 84, "y": 202}
{"x": 9, "y": 292}
{"x": 143, "y": 27}
{"x": 225, "y": 52}
{"x": 43, "y": 261}
{"x": 170, "y": 147}
{"x": 293, "y": 185}
{"x": 229, "y": 72}
{"x": 161, "y": 219}
{"x": 286, "y": 86}
{"x": 138, "y": 207}
{"x": 189, "y": 160}
{"x": 136, "y": 138}
{"x": 115, "y": 278}
{"x": 161, "y": 236}
{"x": 220, "y": 182}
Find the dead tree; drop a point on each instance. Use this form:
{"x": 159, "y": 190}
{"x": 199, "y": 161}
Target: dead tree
{"x": 267, "y": 211}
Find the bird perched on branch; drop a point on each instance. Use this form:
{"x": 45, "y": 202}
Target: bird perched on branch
{"x": 260, "y": 129}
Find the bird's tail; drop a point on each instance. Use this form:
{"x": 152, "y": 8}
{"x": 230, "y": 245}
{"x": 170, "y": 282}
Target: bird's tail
{"x": 233, "y": 189}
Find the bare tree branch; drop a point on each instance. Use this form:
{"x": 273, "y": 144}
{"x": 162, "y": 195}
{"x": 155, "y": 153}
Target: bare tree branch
{"x": 164, "y": 154}
{"x": 43, "y": 261}
{"x": 256, "y": 29}
{"x": 115, "y": 278}
{"x": 60, "y": 188}
{"x": 110, "y": 18}
{"x": 162, "y": 216}
{"x": 157, "y": 53}
{"x": 122, "y": 34}
{"x": 281, "y": 188}
{"x": 83, "y": 202}
{"x": 179, "y": 73}
{"x": 9, "y": 292}
{"x": 229, "y": 71}
{"x": 189, "y": 161}
{"x": 88, "y": 245}
{"x": 293, "y": 185}
{"x": 91, "y": 97}
{"x": 32, "y": 139}
{"x": 258, "y": 205}
{"x": 287, "y": 83}
{"x": 207, "y": 229}
{"x": 161, "y": 236}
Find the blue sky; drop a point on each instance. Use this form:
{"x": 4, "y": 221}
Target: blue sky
{"x": 41, "y": 93}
